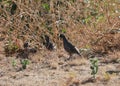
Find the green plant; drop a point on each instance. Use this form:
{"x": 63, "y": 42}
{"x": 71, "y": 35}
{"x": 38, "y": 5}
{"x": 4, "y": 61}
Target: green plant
{"x": 46, "y": 6}
{"x": 63, "y": 30}
{"x": 94, "y": 66}
{"x": 24, "y": 63}
{"x": 13, "y": 63}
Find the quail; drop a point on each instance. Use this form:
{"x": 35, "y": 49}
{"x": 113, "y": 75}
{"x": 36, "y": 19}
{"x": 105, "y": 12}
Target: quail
{"x": 24, "y": 53}
{"x": 13, "y": 8}
{"x": 48, "y": 44}
{"x": 71, "y": 49}
{"x": 33, "y": 50}
{"x": 26, "y": 45}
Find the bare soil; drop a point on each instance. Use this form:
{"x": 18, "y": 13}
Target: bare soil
{"x": 51, "y": 69}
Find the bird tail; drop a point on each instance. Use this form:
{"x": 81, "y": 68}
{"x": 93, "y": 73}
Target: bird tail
{"x": 78, "y": 52}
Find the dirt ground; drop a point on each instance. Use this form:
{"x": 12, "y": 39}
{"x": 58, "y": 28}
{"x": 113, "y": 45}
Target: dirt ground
{"x": 89, "y": 24}
{"x": 51, "y": 69}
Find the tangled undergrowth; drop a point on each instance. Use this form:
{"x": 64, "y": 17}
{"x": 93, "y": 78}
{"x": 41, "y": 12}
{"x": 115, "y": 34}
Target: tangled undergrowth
{"x": 89, "y": 24}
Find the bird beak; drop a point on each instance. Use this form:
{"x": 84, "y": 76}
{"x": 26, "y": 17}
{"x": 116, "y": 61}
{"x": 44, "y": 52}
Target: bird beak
{"x": 58, "y": 36}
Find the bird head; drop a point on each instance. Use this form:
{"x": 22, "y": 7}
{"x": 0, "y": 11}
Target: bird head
{"x": 62, "y": 36}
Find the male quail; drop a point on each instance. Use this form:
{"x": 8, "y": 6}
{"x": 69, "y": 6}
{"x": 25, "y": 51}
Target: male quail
{"x": 25, "y": 45}
{"x": 48, "y": 44}
{"x": 32, "y": 50}
{"x": 13, "y": 8}
{"x": 71, "y": 49}
{"x": 24, "y": 53}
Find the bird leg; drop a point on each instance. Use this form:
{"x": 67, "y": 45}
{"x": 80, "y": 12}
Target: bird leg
{"x": 70, "y": 56}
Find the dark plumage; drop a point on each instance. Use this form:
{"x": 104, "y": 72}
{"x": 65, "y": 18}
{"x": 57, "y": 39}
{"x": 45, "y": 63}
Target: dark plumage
{"x": 25, "y": 45}
{"x": 33, "y": 50}
{"x": 23, "y": 53}
{"x": 71, "y": 49}
{"x": 13, "y": 8}
{"x": 48, "y": 44}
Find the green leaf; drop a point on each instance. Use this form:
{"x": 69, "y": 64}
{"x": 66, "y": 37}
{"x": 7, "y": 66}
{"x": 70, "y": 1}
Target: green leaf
{"x": 63, "y": 30}
{"x": 46, "y": 6}
{"x": 94, "y": 66}
{"x": 24, "y": 63}
{"x": 13, "y": 63}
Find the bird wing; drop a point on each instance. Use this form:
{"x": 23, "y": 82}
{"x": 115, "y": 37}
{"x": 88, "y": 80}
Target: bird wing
{"x": 73, "y": 48}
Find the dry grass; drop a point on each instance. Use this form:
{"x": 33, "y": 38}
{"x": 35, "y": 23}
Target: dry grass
{"x": 84, "y": 23}
{"x": 89, "y": 24}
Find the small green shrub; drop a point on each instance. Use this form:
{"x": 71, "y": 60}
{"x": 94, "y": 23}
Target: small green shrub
{"x": 24, "y": 63}
{"x": 14, "y": 63}
{"x": 63, "y": 30}
{"x": 46, "y": 6}
{"x": 94, "y": 66}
